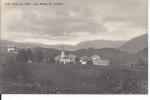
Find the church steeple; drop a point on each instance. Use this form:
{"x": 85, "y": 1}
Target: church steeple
{"x": 62, "y": 52}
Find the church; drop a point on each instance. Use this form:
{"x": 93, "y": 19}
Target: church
{"x": 65, "y": 58}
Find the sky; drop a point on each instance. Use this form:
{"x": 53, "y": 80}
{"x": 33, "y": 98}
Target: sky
{"x": 73, "y": 21}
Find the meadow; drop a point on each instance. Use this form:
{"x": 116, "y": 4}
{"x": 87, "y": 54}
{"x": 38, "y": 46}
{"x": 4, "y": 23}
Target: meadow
{"x": 76, "y": 79}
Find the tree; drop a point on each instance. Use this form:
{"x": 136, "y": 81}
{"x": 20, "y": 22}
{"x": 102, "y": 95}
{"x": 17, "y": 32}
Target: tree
{"x": 39, "y": 56}
{"x": 22, "y": 56}
{"x": 29, "y": 54}
{"x": 89, "y": 62}
{"x": 77, "y": 60}
{"x": 52, "y": 60}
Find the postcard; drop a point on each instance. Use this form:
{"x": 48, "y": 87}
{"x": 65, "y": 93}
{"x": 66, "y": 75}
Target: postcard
{"x": 74, "y": 47}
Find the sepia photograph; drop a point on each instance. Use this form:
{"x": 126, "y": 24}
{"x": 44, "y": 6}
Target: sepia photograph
{"x": 74, "y": 47}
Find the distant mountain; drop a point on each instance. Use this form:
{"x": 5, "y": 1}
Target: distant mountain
{"x": 97, "y": 44}
{"x": 5, "y": 43}
{"x": 136, "y": 44}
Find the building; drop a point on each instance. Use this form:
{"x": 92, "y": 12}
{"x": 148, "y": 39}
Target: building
{"x": 11, "y": 49}
{"x": 72, "y": 58}
{"x": 58, "y": 59}
{"x": 64, "y": 59}
{"x": 84, "y": 59}
{"x": 62, "y": 53}
{"x": 97, "y": 60}
{"x": 95, "y": 57}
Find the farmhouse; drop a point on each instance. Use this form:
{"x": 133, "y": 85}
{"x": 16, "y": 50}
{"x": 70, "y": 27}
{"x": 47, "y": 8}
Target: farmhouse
{"x": 84, "y": 59}
{"x": 95, "y": 57}
{"x": 97, "y": 60}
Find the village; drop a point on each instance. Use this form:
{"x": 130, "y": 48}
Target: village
{"x": 65, "y": 58}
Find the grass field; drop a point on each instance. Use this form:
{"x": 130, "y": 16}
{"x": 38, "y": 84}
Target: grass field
{"x": 76, "y": 79}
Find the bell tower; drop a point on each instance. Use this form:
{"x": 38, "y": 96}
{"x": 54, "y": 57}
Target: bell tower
{"x": 62, "y": 52}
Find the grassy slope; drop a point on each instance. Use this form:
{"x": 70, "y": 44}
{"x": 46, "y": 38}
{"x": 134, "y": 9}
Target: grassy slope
{"x": 85, "y": 79}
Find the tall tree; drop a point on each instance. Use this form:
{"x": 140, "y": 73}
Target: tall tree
{"x": 77, "y": 60}
{"x": 29, "y": 54}
{"x": 39, "y": 56}
{"x": 22, "y": 56}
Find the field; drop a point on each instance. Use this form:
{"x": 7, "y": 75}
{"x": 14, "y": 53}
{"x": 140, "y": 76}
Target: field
{"x": 76, "y": 79}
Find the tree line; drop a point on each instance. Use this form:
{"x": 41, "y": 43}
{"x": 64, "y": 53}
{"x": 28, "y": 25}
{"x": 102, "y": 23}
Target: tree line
{"x": 36, "y": 55}
{"x": 26, "y": 55}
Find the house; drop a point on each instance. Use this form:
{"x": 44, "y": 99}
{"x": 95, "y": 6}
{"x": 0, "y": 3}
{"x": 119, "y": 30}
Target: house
{"x": 72, "y": 58}
{"x": 58, "y": 59}
{"x": 95, "y": 57}
{"x": 97, "y": 60}
{"x": 84, "y": 59}
{"x": 103, "y": 62}
{"x": 11, "y": 49}
{"x": 65, "y": 60}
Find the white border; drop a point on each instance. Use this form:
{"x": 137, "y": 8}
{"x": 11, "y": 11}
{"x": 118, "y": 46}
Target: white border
{"x": 74, "y": 97}
{"x": 81, "y": 97}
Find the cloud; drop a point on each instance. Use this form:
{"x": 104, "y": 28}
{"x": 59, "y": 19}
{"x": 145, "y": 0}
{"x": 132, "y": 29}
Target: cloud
{"x": 92, "y": 18}
{"x": 54, "y": 23}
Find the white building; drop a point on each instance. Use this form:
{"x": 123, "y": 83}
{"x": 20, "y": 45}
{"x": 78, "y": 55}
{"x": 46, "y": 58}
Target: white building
{"x": 97, "y": 60}
{"x": 84, "y": 59}
{"x": 63, "y": 58}
{"x": 12, "y": 49}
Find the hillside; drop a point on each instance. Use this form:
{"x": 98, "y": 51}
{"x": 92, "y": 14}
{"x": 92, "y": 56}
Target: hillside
{"x": 5, "y": 43}
{"x": 77, "y": 79}
{"x": 114, "y": 55}
{"x": 138, "y": 60}
{"x": 136, "y": 44}
{"x": 142, "y": 53}
{"x": 97, "y": 44}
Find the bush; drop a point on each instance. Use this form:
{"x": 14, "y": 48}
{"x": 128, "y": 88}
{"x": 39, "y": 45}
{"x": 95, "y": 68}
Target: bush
{"x": 90, "y": 62}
